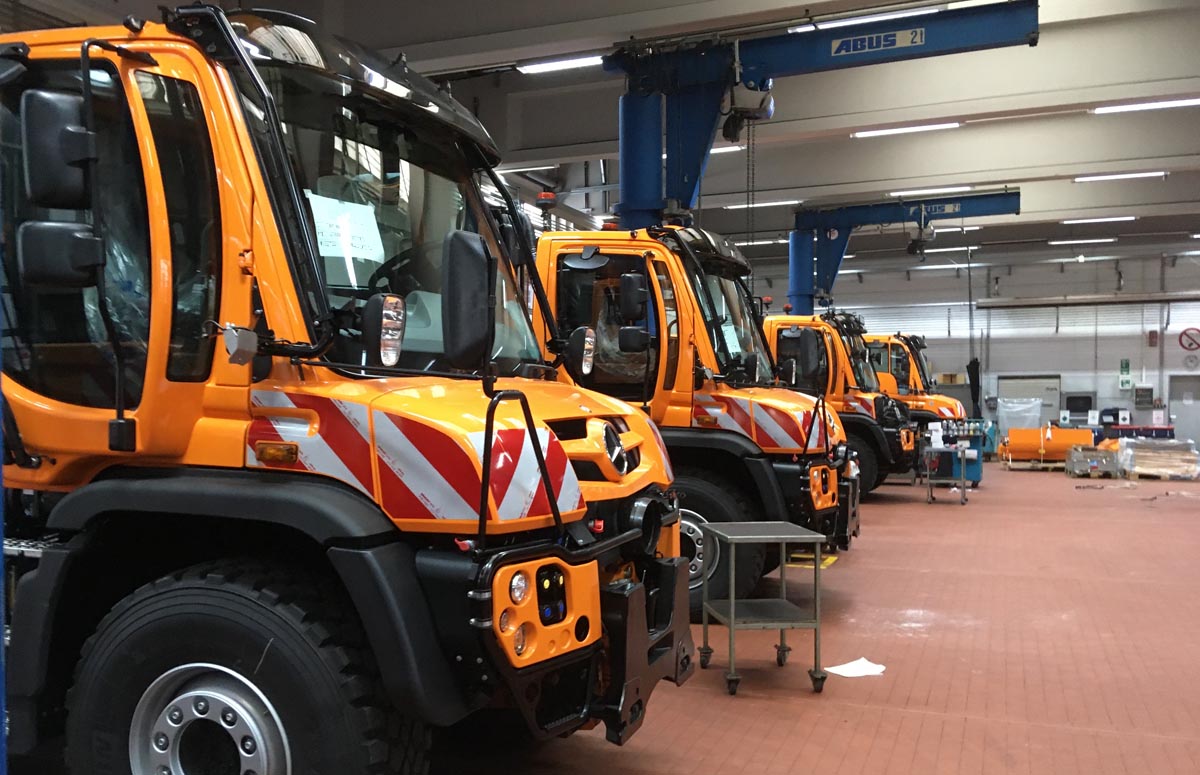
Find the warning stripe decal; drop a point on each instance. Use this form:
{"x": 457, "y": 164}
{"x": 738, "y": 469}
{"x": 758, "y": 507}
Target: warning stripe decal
{"x": 334, "y": 449}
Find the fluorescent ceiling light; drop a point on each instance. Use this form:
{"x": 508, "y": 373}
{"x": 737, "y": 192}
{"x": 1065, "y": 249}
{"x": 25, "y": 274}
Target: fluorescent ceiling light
{"x": 904, "y": 130}
{"x": 1100, "y": 241}
{"x": 849, "y": 255}
{"x": 777, "y": 203}
{"x": 933, "y": 191}
{"x": 955, "y": 229}
{"x": 1147, "y": 106}
{"x": 718, "y": 149}
{"x": 1119, "y": 176}
{"x": 1114, "y": 219}
{"x": 762, "y": 242}
{"x": 555, "y": 65}
{"x": 951, "y": 250}
{"x": 833, "y": 24}
{"x": 528, "y": 169}
{"x": 802, "y": 28}
{"x": 1196, "y": 236}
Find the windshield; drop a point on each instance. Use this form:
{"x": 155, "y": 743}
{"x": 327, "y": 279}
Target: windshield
{"x": 860, "y": 363}
{"x": 732, "y": 324}
{"x": 383, "y": 191}
{"x": 923, "y": 370}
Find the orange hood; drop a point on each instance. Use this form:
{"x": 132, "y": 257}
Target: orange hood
{"x": 776, "y": 419}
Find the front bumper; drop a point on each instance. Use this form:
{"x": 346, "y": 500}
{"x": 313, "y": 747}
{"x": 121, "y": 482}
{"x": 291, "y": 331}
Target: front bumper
{"x": 812, "y": 493}
{"x": 638, "y": 634}
{"x": 902, "y": 445}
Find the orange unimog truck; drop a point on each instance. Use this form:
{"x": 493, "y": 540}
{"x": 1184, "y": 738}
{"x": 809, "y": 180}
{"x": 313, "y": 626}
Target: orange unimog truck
{"x": 287, "y": 479}
{"x": 899, "y": 361}
{"x": 678, "y": 333}
{"x": 832, "y": 361}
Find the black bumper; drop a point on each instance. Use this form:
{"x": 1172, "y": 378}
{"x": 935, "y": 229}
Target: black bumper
{"x": 646, "y": 638}
{"x": 793, "y": 480}
{"x": 847, "y": 525}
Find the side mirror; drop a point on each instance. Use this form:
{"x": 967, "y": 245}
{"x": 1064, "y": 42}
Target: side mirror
{"x": 57, "y": 149}
{"x": 760, "y": 307}
{"x": 634, "y": 295}
{"x": 806, "y": 346}
{"x": 581, "y": 351}
{"x": 383, "y": 319}
{"x": 59, "y": 255}
{"x": 633, "y": 339}
{"x": 887, "y": 383}
{"x": 788, "y": 371}
{"x": 750, "y": 366}
{"x": 464, "y": 299}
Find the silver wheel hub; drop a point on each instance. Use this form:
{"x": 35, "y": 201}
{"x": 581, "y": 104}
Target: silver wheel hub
{"x": 695, "y": 546}
{"x": 202, "y": 719}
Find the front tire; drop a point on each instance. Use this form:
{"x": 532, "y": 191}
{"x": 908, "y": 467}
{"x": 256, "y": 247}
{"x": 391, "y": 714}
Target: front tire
{"x": 234, "y": 666}
{"x": 705, "y": 497}
{"x": 868, "y": 463}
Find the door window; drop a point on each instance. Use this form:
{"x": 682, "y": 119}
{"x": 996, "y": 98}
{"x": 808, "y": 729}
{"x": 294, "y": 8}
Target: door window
{"x": 54, "y": 339}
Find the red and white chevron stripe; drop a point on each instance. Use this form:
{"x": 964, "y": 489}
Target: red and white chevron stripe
{"x": 861, "y": 405}
{"x": 338, "y": 446}
{"x": 945, "y": 411}
{"x": 424, "y": 473}
{"x": 767, "y": 426}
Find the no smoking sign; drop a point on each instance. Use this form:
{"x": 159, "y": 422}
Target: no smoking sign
{"x": 1189, "y": 339}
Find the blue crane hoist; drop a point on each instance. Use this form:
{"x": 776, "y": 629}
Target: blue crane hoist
{"x": 702, "y": 82}
{"x": 813, "y": 263}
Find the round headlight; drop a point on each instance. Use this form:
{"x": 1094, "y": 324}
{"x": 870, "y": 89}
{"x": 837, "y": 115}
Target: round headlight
{"x": 505, "y": 619}
{"x": 519, "y": 638}
{"x": 518, "y": 588}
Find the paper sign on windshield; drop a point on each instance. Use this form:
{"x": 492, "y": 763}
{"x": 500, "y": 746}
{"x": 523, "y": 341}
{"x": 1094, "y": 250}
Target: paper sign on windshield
{"x": 346, "y": 229}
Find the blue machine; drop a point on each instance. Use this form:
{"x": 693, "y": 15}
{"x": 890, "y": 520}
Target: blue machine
{"x": 809, "y": 280}
{"x": 695, "y": 78}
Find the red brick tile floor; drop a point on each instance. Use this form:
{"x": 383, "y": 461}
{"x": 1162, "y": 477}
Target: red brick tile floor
{"x": 1038, "y": 629}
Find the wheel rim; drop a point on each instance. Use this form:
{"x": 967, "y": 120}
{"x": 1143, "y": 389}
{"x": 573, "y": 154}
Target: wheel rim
{"x": 201, "y": 719}
{"x": 694, "y": 547}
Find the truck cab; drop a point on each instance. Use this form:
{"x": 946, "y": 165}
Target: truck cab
{"x": 287, "y": 478}
{"x": 903, "y": 370}
{"x": 677, "y": 333}
{"x": 832, "y": 362}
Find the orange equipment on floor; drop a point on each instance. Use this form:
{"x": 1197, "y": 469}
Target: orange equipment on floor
{"x": 1048, "y": 444}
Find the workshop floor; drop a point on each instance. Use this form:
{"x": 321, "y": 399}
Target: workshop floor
{"x": 1038, "y": 629}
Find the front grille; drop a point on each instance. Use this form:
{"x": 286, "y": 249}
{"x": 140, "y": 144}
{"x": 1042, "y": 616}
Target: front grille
{"x": 569, "y": 430}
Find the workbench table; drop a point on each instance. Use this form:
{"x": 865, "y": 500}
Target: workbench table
{"x": 770, "y": 614}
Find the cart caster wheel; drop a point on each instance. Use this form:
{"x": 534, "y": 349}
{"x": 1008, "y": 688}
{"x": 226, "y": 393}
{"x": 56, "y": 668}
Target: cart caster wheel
{"x": 731, "y": 685}
{"x": 781, "y": 654}
{"x": 705, "y": 658}
{"x": 975, "y": 485}
{"x": 818, "y": 680}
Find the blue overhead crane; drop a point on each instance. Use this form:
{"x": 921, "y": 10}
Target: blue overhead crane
{"x": 695, "y": 77}
{"x": 818, "y": 240}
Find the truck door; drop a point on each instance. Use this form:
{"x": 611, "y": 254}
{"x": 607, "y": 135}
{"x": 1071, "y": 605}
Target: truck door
{"x": 162, "y": 231}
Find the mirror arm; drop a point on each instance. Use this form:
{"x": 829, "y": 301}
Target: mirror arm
{"x": 489, "y": 374}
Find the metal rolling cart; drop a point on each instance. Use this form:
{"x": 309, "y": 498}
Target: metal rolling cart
{"x": 769, "y": 614}
{"x": 931, "y": 456}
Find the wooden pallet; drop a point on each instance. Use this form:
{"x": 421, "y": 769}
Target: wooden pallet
{"x": 1135, "y": 476}
{"x": 1035, "y": 465}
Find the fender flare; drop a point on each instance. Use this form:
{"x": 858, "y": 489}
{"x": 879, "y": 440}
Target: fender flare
{"x": 757, "y": 464}
{"x": 869, "y": 428}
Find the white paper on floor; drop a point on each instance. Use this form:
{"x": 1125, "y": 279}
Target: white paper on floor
{"x": 857, "y": 669}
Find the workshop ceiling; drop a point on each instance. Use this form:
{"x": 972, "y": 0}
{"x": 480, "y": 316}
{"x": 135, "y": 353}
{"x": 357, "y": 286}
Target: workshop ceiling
{"x": 1025, "y": 114}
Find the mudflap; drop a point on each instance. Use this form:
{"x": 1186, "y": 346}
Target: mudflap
{"x": 649, "y": 639}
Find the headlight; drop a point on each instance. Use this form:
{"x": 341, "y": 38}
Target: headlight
{"x": 841, "y": 451}
{"x": 518, "y": 588}
{"x": 383, "y": 320}
{"x": 505, "y": 619}
{"x": 519, "y": 638}
{"x": 589, "y": 352}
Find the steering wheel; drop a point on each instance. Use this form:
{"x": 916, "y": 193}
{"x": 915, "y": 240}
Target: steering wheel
{"x": 390, "y": 266}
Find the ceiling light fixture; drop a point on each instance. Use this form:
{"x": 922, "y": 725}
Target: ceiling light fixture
{"x": 777, "y": 203}
{"x": 555, "y": 65}
{"x": 905, "y": 130}
{"x": 933, "y": 191}
{"x": 954, "y": 229}
{"x": 718, "y": 149}
{"x": 802, "y": 28}
{"x": 833, "y": 24}
{"x": 1114, "y": 219}
{"x": 528, "y": 169}
{"x": 951, "y": 250}
{"x": 1160, "y": 105}
{"x": 1119, "y": 176}
{"x": 1099, "y": 241}
{"x": 762, "y": 242}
